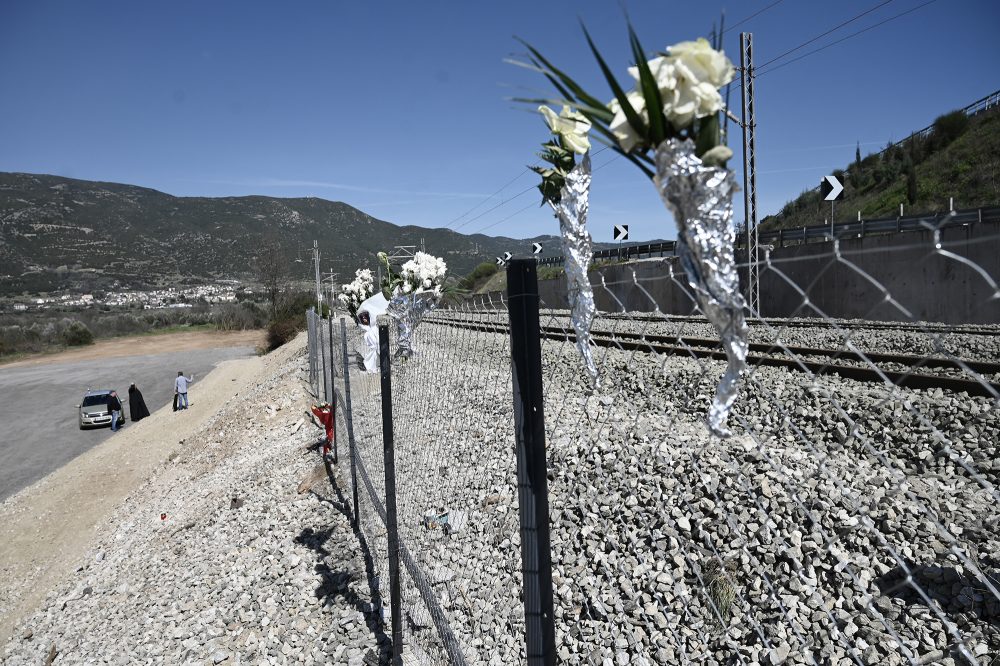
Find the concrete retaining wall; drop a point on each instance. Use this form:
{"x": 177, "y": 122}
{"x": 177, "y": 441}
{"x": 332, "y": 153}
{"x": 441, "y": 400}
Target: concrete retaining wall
{"x": 899, "y": 277}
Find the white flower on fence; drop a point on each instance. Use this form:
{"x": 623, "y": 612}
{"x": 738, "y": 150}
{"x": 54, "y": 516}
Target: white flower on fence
{"x": 570, "y": 126}
{"x": 412, "y": 292}
{"x": 668, "y": 126}
{"x": 353, "y": 294}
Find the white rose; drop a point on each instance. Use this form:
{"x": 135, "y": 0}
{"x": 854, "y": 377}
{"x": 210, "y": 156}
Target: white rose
{"x": 692, "y": 101}
{"x": 663, "y": 70}
{"x": 703, "y": 63}
{"x": 627, "y": 137}
{"x": 571, "y": 125}
{"x": 427, "y": 283}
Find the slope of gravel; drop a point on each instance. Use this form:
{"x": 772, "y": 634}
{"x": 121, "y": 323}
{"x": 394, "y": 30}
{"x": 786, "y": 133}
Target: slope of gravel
{"x": 217, "y": 558}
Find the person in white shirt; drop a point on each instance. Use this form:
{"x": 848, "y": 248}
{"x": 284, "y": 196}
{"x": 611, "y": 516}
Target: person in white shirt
{"x": 181, "y": 389}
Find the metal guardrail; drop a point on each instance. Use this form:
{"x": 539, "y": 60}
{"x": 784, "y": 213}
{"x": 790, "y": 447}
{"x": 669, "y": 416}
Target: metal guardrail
{"x": 959, "y": 218}
{"x": 666, "y": 248}
{"x": 822, "y": 232}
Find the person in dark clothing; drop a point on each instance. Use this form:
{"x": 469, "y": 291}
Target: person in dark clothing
{"x": 115, "y": 407}
{"x": 136, "y": 405}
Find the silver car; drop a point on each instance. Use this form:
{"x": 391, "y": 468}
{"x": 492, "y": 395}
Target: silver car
{"x": 94, "y": 410}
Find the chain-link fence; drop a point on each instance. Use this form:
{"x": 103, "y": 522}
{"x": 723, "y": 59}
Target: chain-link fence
{"x": 850, "y": 518}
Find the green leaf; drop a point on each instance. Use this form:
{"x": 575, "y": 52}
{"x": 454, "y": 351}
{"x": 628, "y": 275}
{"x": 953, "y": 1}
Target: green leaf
{"x": 581, "y": 94}
{"x": 633, "y": 118}
{"x": 603, "y": 113}
{"x": 650, "y": 91}
{"x": 708, "y": 134}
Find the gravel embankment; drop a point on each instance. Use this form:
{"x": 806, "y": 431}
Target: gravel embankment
{"x": 812, "y": 513}
{"x": 217, "y": 559}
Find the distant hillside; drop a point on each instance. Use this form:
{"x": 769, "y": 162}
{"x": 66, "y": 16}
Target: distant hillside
{"x": 958, "y": 157}
{"x": 65, "y": 234}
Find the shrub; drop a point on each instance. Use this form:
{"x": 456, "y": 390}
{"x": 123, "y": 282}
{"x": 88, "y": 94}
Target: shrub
{"x": 949, "y": 127}
{"x": 279, "y": 332}
{"x": 77, "y": 334}
{"x": 479, "y": 274}
{"x": 241, "y": 317}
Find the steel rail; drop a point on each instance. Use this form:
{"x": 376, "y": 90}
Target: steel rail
{"x": 761, "y": 355}
{"x": 792, "y": 323}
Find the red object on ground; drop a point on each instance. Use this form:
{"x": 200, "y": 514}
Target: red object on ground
{"x": 163, "y": 516}
{"x": 327, "y": 416}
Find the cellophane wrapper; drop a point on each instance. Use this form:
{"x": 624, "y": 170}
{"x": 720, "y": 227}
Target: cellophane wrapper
{"x": 408, "y": 310}
{"x": 577, "y": 249}
{"x": 701, "y": 199}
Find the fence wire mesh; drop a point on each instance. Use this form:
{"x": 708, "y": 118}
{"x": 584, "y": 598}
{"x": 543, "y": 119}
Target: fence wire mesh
{"x": 457, "y": 511}
{"x": 850, "y": 519}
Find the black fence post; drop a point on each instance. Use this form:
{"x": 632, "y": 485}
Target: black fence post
{"x": 332, "y": 395}
{"x": 532, "y": 479}
{"x": 385, "y": 366}
{"x": 349, "y": 415}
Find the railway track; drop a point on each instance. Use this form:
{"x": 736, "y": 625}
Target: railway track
{"x": 944, "y": 329}
{"x": 816, "y": 360}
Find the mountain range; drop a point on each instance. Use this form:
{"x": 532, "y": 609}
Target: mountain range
{"x": 64, "y": 234}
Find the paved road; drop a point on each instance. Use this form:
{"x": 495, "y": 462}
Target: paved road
{"x": 39, "y": 431}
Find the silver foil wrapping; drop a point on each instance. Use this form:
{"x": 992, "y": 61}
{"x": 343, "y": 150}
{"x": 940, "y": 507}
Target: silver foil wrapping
{"x": 701, "y": 199}
{"x": 407, "y": 310}
{"x": 577, "y": 250}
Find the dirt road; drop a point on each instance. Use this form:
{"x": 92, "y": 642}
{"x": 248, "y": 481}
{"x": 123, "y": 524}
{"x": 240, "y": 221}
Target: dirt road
{"x": 40, "y": 432}
{"x": 45, "y": 527}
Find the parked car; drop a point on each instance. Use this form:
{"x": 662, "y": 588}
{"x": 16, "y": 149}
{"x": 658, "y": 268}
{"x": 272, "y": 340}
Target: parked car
{"x": 94, "y": 409}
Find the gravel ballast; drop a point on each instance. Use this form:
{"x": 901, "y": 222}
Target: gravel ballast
{"x": 829, "y": 497}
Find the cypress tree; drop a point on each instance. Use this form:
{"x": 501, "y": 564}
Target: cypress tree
{"x": 911, "y": 181}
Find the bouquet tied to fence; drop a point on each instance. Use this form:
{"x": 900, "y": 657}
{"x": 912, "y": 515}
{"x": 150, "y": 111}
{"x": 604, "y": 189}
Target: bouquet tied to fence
{"x": 565, "y": 187}
{"x": 356, "y": 292}
{"x": 668, "y": 126}
{"x": 412, "y": 292}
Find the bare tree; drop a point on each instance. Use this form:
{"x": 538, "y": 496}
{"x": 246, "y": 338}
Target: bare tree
{"x": 272, "y": 273}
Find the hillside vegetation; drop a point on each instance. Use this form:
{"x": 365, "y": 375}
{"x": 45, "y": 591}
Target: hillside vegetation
{"x": 959, "y": 158}
{"x": 63, "y": 234}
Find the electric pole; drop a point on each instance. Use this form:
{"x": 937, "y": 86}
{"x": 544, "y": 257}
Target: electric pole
{"x": 319, "y": 292}
{"x": 750, "y": 173}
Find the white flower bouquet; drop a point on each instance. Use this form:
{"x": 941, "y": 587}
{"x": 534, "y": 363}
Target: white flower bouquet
{"x": 668, "y": 126}
{"x": 423, "y": 273}
{"x": 565, "y": 187}
{"x": 412, "y": 292}
{"x": 353, "y": 294}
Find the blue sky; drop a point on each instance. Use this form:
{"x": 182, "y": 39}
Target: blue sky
{"x": 400, "y": 108}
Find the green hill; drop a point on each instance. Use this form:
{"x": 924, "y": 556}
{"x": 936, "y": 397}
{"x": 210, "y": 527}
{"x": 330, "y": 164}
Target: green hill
{"x": 63, "y": 234}
{"x": 958, "y": 157}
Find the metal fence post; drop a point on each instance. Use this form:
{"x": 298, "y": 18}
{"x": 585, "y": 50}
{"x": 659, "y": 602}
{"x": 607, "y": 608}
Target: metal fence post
{"x": 349, "y": 415}
{"x": 309, "y": 342}
{"x": 390, "y": 493}
{"x": 322, "y": 358}
{"x": 532, "y": 480}
{"x": 332, "y": 395}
